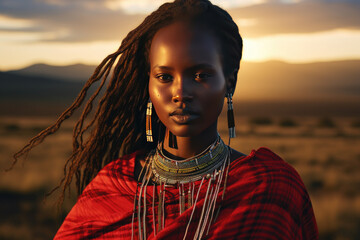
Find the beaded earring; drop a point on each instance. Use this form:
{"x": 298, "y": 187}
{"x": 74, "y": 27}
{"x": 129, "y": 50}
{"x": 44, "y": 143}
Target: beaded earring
{"x": 230, "y": 116}
{"x": 149, "y": 137}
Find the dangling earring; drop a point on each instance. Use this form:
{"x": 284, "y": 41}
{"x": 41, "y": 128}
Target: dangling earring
{"x": 230, "y": 117}
{"x": 149, "y": 137}
{"x": 172, "y": 140}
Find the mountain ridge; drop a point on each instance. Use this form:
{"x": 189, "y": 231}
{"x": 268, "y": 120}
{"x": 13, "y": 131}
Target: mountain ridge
{"x": 73, "y": 72}
{"x": 318, "y": 86}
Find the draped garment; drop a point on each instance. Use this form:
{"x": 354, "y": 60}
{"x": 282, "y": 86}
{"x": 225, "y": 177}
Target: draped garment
{"x": 265, "y": 198}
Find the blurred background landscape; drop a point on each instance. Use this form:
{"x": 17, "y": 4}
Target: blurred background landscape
{"x": 298, "y": 93}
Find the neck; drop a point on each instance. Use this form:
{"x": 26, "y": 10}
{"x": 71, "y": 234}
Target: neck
{"x": 192, "y": 145}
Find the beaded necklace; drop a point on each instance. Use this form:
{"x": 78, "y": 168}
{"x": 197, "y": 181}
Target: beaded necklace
{"x": 191, "y": 169}
{"x": 211, "y": 164}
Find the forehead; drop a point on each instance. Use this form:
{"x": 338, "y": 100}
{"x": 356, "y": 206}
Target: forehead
{"x": 184, "y": 43}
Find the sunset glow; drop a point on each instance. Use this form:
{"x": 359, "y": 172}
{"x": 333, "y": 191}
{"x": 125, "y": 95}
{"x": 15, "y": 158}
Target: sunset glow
{"x": 64, "y": 32}
{"x": 325, "y": 46}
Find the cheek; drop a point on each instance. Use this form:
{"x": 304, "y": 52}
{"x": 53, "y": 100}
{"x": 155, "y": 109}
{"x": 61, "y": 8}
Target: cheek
{"x": 216, "y": 101}
{"x": 154, "y": 92}
{"x": 159, "y": 98}
{"x": 217, "y": 88}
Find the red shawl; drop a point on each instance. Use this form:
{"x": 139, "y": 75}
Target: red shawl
{"x": 265, "y": 198}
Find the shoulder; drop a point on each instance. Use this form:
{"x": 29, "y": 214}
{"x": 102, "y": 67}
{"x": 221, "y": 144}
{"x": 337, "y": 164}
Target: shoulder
{"x": 265, "y": 164}
{"x": 119, "y": 169}
{"x": 271, "y": 176}
{"x": 113, "y": 175}
{"x": 109, "y": 196}
{"x": 264, "y": 187}
{"x": 114, "y": 181}
{"x": 122, "y": 166}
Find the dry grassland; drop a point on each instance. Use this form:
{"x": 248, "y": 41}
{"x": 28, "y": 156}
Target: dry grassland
{"x": 325, "y": 152}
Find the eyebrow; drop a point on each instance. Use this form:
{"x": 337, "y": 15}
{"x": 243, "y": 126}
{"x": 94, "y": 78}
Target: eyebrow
{"x": 162, "y": 67}
{"x": 195, "y": 67}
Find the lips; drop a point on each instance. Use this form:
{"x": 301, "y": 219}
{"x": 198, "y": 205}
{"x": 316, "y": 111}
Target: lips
{"x": 183, "y": 116}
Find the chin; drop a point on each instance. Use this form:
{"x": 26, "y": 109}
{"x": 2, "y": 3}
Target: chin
{"x": 185, "y": 131}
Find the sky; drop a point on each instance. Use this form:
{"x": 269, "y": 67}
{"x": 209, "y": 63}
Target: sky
{"x": 63, "y": 32}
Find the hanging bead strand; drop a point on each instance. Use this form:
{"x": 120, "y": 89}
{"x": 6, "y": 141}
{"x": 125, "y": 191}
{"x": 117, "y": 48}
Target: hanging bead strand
{"x": 163, "y": 207}
{"x": 160, "y": 208}
{"x": 145, "y": 203}
{"x": 144, "y": 180}
{"x": 194, "y": 206}
{"x": 153, "y": 207}
{"x": 134, "y": 210}
{"x": 217, "y": 189}
{"x": 189, "y": 200}
{"x": 203, "y": 209}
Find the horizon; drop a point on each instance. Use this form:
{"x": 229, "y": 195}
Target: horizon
{"x": 331, "y": 82}
{"x": 69, "y": 64}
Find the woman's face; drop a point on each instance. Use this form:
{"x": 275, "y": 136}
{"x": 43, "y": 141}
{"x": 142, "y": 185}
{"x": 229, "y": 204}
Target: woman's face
{"x": 187, "y": 85}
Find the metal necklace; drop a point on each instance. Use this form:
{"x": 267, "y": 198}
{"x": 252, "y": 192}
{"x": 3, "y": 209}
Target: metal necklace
{"x": 211, "y": 165}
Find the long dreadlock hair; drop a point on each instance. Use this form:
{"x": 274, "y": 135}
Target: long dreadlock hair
{"x": 117, "y": 126}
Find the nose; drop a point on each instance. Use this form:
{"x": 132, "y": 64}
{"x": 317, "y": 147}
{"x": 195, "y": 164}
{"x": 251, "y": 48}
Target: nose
{"x": 182, "y": 91}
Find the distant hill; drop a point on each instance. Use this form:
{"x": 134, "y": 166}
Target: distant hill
{"x": 273, "y": 80}
{"x": 28, "y": 95}
{"x": 76, "y": 72}
{"x": 311, "y": 81}
{"x": 16, "y": 87}
{"x": 324, "y": 88}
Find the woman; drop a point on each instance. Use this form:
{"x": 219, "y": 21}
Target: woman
{"x": 174, "y": 177}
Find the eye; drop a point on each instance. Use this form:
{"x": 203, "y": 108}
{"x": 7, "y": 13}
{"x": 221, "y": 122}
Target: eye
{"x": 162, "y": 77}
{"x": 201, "y": 76}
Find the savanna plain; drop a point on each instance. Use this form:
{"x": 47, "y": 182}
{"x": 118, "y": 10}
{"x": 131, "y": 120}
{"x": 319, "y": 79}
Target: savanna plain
{"x": 324, "y": 150}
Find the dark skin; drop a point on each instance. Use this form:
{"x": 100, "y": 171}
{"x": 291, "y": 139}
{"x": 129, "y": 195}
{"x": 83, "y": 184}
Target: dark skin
{"x": 187, "y": 87}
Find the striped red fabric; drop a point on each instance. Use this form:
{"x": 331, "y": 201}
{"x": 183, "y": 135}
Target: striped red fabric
{"x": 265, "y": 199}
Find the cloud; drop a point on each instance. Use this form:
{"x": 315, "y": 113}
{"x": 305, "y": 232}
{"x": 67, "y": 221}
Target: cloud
{"x": 70, "y": 21}
{"x": 147, "y": 6}
{"x": 95, "y": 20}
{"x": 280, "y": 17}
